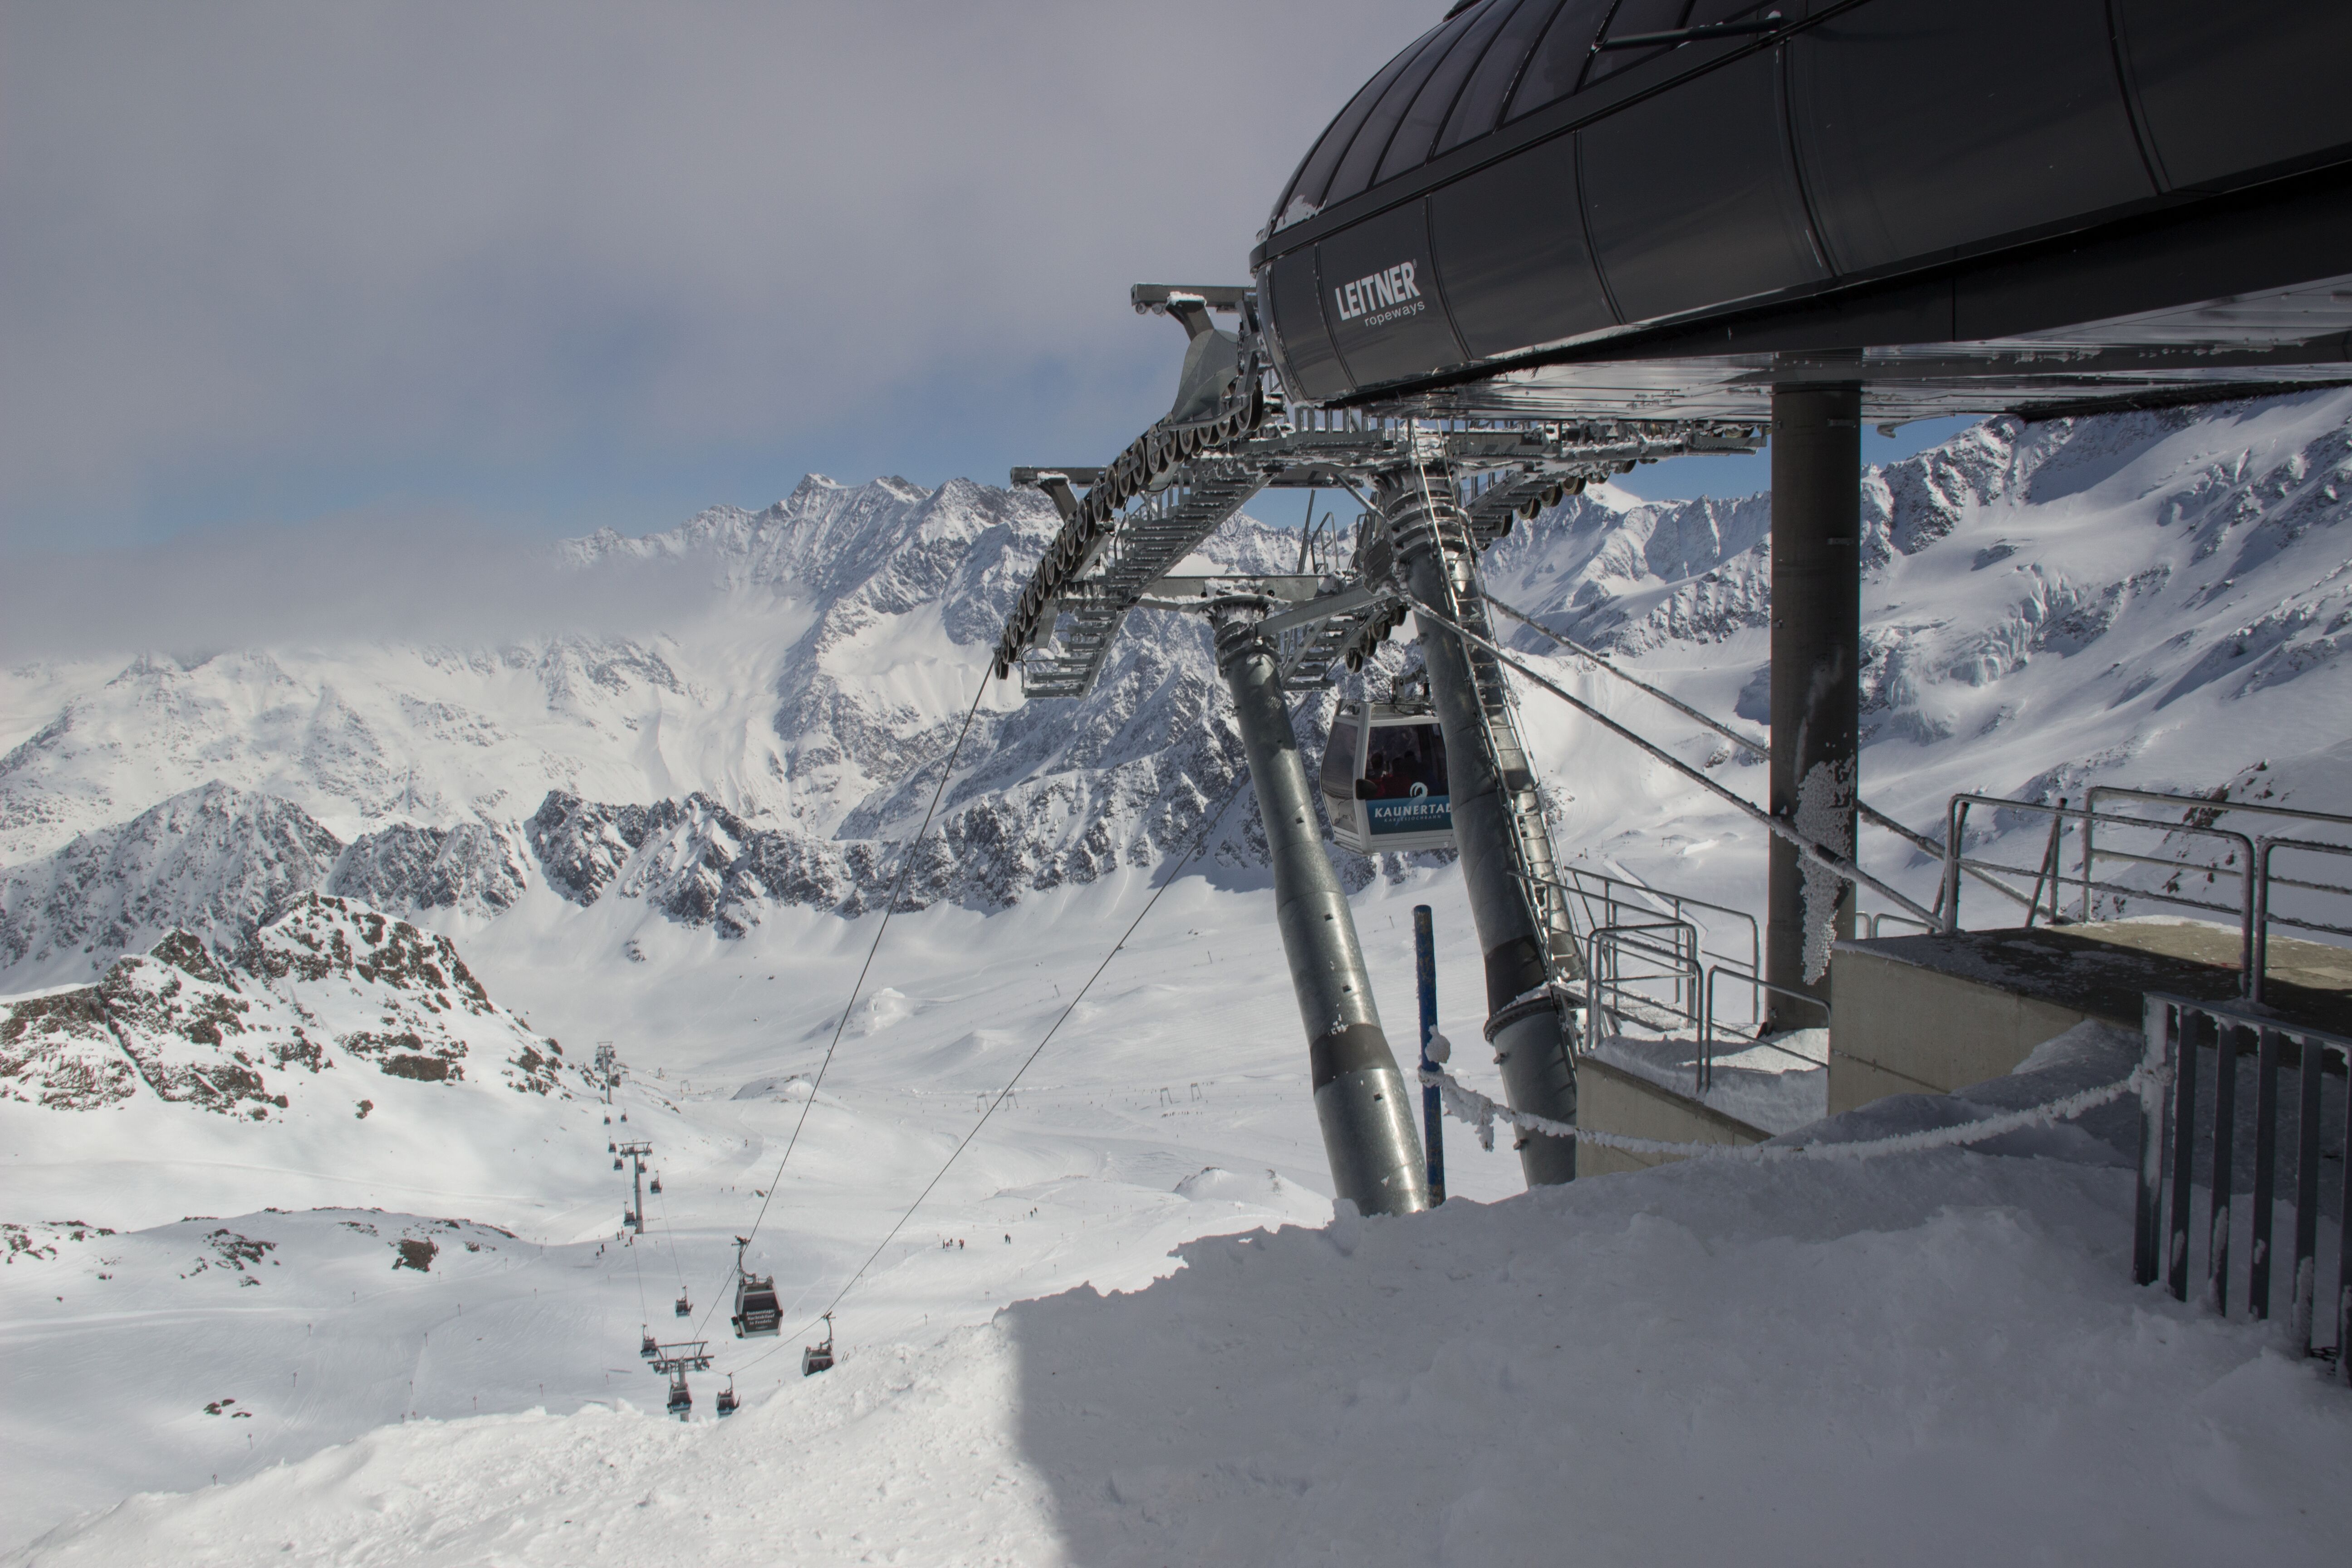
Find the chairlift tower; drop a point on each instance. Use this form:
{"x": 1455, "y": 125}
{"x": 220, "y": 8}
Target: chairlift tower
{"x": 1442, "y": 494}
{"x": 636, "y": 1152}
{"x": 608, "y": 1068}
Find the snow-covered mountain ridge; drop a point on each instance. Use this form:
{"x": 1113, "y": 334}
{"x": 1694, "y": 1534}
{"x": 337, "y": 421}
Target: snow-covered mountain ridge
{"x": 326, "y": 983}
{"x": 2040, "y": 603}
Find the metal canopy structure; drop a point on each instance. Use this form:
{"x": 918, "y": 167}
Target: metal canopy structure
{"x": 1434, "y": 494}
{"x": 1666, "y": 208}
{"x": 1555, "y": 238}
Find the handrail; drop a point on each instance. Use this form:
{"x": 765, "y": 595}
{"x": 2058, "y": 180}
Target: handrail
{"x": 1956, "y": 821}
{"x": 1838, "y": 863}
{"x": 2194, "y": 802}
{"x": 2253, "y": 872}
{"x": 2260, "y": 915}
{"x": 1707, "y": 1028}
{"x": 1596, "y": 980}
{"x": 1664, "y": 895}
{"x": 2207, "y": 803}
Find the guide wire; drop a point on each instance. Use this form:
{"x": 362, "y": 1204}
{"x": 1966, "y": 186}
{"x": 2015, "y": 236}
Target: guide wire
{"x": 670, "y": 1232}
{"x": 1829, "y": 860}
{"x": 906, "y": 866}
{"x": 640, "y": 1265}
{"x": 1761, "y": 751}
{"x": 1208, "y": 831}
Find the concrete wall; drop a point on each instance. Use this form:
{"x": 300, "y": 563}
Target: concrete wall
{"x": 1610, "y": 1099}
{"x": 1899, "y": 1028}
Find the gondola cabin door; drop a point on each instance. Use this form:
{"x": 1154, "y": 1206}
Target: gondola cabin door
{"x": 1384, "y": 780}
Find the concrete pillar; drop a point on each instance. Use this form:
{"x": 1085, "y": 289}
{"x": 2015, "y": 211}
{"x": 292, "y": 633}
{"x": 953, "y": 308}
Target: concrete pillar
{"x": 1816, "y": 663}
{"x": 1530, "y": 1033}
{"x": 1361, "y": 1098}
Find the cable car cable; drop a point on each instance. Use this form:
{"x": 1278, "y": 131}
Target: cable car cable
{"x": 906, "y": 865}
{"x": 1760, "y": 750}
{"x": 638, "y": 1263}
{"x": 1829, "y": 860}
{"x": 1208, "y": 831}
{"x": 669, "y": 1231}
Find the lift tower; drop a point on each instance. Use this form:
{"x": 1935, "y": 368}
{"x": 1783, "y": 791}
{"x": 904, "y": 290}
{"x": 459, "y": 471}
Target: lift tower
{"x": 1523, "y": 930}
{"x": 1443, "y": 492}
{"x": 1360, "y": 1099}
{"x": 636, "y": 1153}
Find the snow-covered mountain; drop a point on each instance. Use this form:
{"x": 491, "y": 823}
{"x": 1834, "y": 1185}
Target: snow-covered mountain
{"x": 647, "y": 838}
{"x": 2139, "y": 597}
{"x": 768, "y": 753}
{"x": 327, "y": 983}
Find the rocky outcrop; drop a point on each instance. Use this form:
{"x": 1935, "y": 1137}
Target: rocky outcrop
{"x": 474, "y": 867}
{"x": 330, "y": 983}
{"x": 216, "y": 862}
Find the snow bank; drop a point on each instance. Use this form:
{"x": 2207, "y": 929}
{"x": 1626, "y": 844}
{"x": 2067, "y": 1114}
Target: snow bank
{"x": 1935, "y": 1358}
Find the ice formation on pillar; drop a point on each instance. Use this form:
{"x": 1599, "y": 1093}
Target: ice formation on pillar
{"x": 1825, "y": 815}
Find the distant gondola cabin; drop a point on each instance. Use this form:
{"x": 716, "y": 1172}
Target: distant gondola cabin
{"x": 1384, "y": 780}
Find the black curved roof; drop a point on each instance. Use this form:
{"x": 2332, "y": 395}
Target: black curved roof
{"x": 1561, "y": 182}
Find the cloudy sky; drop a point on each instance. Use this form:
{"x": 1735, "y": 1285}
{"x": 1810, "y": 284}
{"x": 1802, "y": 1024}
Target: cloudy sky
{"x": 545, "y": 267}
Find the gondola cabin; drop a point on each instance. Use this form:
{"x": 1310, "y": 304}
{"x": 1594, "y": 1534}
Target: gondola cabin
{"x": 727, "y": 1400}
{"x": 1384, "y": 783}
{"x": 756, "y": 1311}
{"x": 815, "y": 1359}
{"x": 755, "y": 1307}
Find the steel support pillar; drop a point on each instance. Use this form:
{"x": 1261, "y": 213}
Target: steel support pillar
{"x": 1527, "y": 1024}
{"x": 1361, "y": 1098}
{"x": 1816, "y": 664}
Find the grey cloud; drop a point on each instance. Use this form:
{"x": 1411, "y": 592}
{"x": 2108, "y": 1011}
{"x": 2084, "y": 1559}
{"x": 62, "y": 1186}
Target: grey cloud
{"x": 428, "y": 578}
{"x": 240, "y": 241}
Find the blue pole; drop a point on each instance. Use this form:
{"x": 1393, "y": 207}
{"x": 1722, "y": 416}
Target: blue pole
{"x": 1424, "y": 965}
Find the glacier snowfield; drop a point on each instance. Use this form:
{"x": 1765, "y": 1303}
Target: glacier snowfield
{"x": 1155, "y": 1342}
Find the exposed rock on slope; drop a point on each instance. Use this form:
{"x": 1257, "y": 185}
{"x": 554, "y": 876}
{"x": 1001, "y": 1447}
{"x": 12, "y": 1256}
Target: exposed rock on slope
{"x": 222, "y": 863}
{"x": 327, "y": 981}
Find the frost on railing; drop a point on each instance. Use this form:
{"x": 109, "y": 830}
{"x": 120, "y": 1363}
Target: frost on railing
{"x": 1467, "y": 1105}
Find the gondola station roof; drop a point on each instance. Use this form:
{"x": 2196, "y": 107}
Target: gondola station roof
{"x": 1663, "y": 207}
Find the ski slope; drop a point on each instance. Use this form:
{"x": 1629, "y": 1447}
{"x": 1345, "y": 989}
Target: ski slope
{"x": 1932, "y": 1358}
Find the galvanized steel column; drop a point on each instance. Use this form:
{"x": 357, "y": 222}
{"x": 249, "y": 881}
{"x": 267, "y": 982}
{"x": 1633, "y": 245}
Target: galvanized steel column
{"x": 1361, "y": 1098}
{"x": 1816, "y": 665}
{"x": 1525, "y": 1023}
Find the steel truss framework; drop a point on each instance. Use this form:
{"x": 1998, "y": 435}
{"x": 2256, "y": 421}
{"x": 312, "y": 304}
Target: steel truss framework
{"x": 1175, "y": 485}
{"x": 1435, "y": 494}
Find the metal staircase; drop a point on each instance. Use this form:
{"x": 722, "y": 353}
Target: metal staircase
{"x": 1537, "y": 865}
{"x": 1150, "y": 540}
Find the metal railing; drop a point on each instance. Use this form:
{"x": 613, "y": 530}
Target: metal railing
{"x": 2244, "y": 864}
{"x": 1658, "y": 939}
{"x": 1648, "y": 959}
{"x": 2047, "y": 874}
{"x": 1656, "y": 952}
{"x": 1609, "y": 900}
{"x": 1874, "y": 926}
{"x": 1759, "y": 987}
{"x": 2167, "y": 1228}
{"x": 2196, "y": 806}
{"x": 2263, "y": 883}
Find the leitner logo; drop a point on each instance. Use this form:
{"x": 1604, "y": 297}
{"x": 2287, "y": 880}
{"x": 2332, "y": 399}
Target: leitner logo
{"x": 1391, "y": 294}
